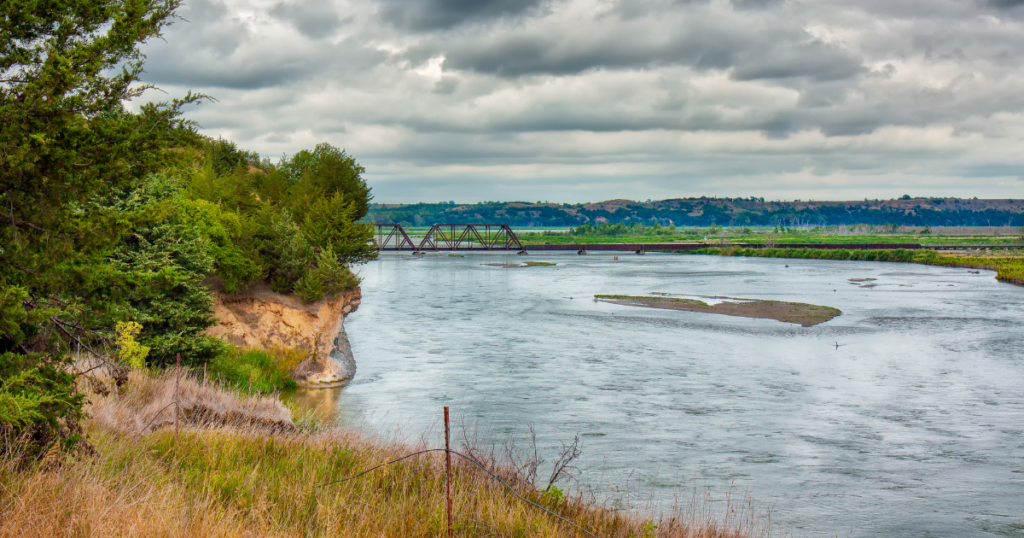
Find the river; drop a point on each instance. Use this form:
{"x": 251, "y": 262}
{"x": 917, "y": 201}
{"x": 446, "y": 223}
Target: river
{"x": 911, "y": 426}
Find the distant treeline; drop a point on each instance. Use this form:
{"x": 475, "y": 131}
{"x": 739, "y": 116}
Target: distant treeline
{"x": 905, "y": 211}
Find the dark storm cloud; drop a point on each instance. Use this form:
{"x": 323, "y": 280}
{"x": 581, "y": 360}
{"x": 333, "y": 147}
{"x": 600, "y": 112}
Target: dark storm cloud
{"x": 444, "y": 14}
{"x": 1007, "y": 3}
{"x": 316, "y": 19}
{"x": 813, "y": 60}
{"x": 752, "y": 47}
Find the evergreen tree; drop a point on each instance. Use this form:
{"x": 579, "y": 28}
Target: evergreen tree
{"x": 65, "y": 68}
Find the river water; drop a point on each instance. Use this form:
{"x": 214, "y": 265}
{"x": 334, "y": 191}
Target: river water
{"x": 912, "y": 426}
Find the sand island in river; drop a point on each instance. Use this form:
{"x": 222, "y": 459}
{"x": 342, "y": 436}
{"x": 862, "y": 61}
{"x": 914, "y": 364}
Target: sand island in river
{"x": 799, "y": 313}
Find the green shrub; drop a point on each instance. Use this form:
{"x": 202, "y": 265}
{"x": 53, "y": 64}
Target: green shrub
{"x": 309, "y": 288}
{"x": 284, "y": 251}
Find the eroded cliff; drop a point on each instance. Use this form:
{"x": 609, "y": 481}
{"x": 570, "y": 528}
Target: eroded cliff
{"x": 262, "y": 318}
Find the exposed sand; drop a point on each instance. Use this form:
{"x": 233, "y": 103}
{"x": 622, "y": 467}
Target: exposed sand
{"x": 802, "y": 314}
{"x": 519, "y": 265}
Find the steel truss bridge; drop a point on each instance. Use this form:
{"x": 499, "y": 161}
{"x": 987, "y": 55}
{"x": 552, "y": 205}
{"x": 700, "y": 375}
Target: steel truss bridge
{"x": 450, "y": 237}
{"x": 440, "y": 237}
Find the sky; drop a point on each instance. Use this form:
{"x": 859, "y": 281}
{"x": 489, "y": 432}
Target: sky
{"x": 587, "y": 100}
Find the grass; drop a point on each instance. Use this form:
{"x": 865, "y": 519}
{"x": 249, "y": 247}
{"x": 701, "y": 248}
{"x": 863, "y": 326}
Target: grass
{"x": 648, "y": 298}
{"x": 830, "y": 234}
{"x": 256, "y": 369}
{"x": 241, "y": 477}
{"x": 1009, "y": 266}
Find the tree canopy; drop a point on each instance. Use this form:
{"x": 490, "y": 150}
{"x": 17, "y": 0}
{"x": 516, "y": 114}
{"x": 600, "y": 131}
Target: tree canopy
{"x": 108, "y": 215}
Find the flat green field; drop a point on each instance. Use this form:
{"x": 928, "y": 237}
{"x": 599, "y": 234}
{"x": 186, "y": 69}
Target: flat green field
{"x": 747, "y": 236}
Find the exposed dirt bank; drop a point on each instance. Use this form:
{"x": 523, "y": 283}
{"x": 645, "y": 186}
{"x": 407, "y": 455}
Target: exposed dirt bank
{"x": 802, "y": 314}
{"x": 262, "y": 318}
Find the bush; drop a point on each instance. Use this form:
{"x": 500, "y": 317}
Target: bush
{"x": 284, "y": 251}
{"x": 309, "y": 288}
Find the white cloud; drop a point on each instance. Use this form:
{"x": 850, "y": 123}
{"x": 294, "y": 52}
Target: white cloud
{"x": 600, "y": 99}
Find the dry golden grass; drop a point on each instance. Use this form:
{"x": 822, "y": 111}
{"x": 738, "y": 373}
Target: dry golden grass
{"x": 254, "y": 478}
{"x": 145, "y": 404}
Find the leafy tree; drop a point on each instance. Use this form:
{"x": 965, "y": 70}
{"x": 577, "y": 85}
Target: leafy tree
{"x": 65, "y": 68}
{"x": 324, "y": 171}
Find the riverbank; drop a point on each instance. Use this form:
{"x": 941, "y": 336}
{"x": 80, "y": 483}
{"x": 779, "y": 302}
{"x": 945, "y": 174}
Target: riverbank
{"x": 1008, "y": 265}
{"x": 244, "y": 466}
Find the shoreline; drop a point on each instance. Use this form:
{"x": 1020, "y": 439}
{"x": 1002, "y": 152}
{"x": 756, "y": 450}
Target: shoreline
{"x": 1008, "y": 269}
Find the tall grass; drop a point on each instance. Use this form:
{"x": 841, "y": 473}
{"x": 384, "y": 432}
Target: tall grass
{"x": 256, "y": 369}
{"x": 245, "y": 478}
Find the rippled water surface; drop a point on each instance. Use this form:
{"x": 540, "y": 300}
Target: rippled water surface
{"x": 913, "y": 426}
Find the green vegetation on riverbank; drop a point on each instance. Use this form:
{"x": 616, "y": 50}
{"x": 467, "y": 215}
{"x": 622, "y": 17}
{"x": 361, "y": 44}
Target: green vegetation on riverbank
{"x": 712, "y": 235}
{"x": 255, "y": 370}
{"x": 706, "y": 211}
{"x": 118, "y": 216}
{"x": 1009, "y": 266}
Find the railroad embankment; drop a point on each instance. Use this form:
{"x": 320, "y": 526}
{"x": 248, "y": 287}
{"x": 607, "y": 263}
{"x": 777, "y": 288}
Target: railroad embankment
{"x": 260, "y": 318}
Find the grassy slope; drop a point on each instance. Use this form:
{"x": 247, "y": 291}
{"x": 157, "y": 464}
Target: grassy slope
{"x": 236, "y": 477}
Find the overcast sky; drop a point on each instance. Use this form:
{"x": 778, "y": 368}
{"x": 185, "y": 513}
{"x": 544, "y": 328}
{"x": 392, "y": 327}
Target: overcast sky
{"x": 575, "y": 101}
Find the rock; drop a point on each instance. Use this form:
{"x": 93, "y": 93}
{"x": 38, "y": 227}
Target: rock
{"x": 262, "y": 318}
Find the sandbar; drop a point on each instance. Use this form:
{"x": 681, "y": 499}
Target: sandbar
{"x": 802, "y": 314}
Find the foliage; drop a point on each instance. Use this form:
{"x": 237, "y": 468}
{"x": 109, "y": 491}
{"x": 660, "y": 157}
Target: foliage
{"x": 647, "y": 530}
{"x": 255, "y": 369}
{"x": 130, "y": 350}
{"x": 284, "y": 249}
{"x": 896, "y": 255}
{"x": 169, "y": 261}
{"x": 553, "y": 495}
{"x": 705, "y": 211}
{"x": 331, "y": 223}
{"x": 323, "y": 172}
{"x": 249, "y": 214}
{"x": 1009, "y": 268}
{"x": 608, "y": 229}
{"x": 108, "y": 215}
{"x": 309, "y": 288}
{"x": 67, "y": 68}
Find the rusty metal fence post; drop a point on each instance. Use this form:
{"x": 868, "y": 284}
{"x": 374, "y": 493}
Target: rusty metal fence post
{"x": 448, "y": 465}
{"x": 177, "y": 408}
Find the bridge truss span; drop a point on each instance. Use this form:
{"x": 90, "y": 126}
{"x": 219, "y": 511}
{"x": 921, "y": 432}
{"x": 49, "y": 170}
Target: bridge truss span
{"x": 394, "y": 239}
{"x": 450, "y": 237}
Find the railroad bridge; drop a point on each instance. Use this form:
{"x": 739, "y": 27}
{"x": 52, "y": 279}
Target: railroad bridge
{"x": 450, "y": 237}
{"x": 392, "y": 237}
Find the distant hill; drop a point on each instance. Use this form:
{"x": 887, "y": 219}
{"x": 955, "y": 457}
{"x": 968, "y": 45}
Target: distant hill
{"x": 705, "y": 211}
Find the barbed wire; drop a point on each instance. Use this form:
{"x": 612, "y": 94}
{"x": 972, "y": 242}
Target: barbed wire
{"x": 474, "y": 462}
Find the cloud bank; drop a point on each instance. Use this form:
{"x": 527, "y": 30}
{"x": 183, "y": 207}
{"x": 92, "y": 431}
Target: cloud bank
{"x": 587, "y": 100}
